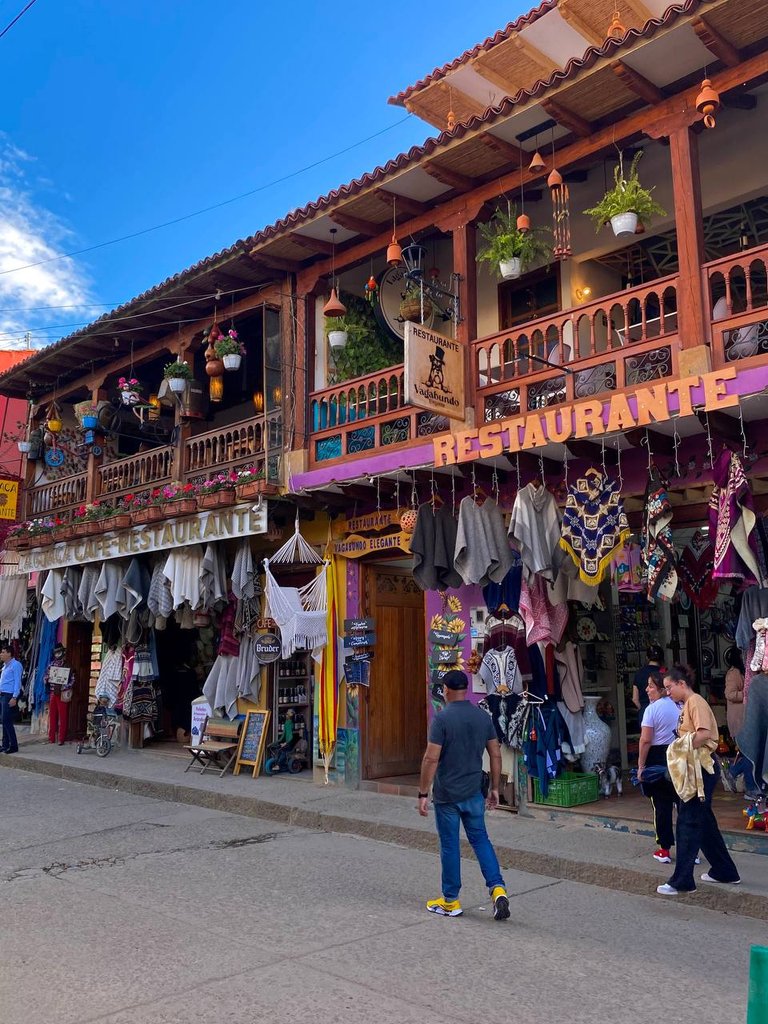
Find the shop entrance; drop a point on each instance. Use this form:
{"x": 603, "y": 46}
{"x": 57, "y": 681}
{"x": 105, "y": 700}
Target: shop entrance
{"x": 396, "y": 726}
{"x": 79, "y": 642}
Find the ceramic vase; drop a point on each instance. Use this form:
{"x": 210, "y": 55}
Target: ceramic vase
{"x": 597, "y": 736}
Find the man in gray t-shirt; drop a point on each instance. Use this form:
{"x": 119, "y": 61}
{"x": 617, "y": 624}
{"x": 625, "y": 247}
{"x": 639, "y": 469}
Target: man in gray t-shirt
{"x": 453, "y": 760}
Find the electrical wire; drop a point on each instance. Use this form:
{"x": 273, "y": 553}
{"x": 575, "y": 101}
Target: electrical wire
{"x": 21, "y": 14}
{"x": 206, "y": 209}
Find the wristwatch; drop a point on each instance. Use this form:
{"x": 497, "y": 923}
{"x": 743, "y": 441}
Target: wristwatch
{"x": 423, "y": 796}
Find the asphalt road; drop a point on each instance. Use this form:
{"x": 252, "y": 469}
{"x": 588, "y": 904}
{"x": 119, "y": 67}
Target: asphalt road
{"x": 122, "y": 909}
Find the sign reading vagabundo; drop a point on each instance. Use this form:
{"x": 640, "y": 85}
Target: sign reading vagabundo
{"x": 434, "y": 371}
{"x": 221, "y": 524}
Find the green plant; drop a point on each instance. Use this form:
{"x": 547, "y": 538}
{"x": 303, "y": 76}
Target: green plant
{"x": 229, "y": 345}
{"x": 626, "y": 196}
{"x": 502, "y": 240}
{"x": 339, "y": 323}
{"x": 369, "y": 347}
{"x": 177, "y": 369}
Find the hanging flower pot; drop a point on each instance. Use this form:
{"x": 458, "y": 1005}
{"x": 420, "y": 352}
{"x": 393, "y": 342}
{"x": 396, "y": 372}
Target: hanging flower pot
{"x": 338, "y": 339}
{"x": 54, "y": 424}
{"x": 177, "y": 384}
{"x": 130, "y": 397}
{"x": 90, "y": 422}
{"x": 232, "y": 361}
{"x": 24, "y": 447}
{"x": 510, "y": 269}
{"x": 624, "y": 223}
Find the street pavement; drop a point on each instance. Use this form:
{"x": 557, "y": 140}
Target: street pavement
{"x": 125, "y": 909}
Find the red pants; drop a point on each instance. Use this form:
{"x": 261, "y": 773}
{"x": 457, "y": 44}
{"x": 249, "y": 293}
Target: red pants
{"x": 58, "y": 717}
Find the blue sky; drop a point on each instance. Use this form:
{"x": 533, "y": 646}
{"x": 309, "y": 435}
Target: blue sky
{"x": 121, "y": 115}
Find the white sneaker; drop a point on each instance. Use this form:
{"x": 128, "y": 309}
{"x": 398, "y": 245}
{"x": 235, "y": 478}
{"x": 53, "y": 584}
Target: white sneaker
{"x": 706, "y": 877}
{"x": 697, "y": 860}
{"x": 668, "y": 890}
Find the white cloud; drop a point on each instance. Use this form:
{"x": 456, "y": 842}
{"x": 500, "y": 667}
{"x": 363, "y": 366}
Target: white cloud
{"x": 29, "y": 233}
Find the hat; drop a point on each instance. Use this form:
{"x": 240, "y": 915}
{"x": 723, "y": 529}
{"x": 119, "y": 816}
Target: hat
{"x": 455, "y": 680}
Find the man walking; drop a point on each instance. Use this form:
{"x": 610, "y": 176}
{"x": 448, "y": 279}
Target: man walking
{"x": 10, "y": 688}
{"x": 458, "y": 736}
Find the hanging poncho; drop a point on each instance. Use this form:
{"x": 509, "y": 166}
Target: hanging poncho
{"x": 433, "y": 545}
{"x": 732, "y": 522}
{"x": 594, "y": 525}
{"x": 695, "y": 570}
{"x": 483, "y": 554}
{"x": 658, "y": 546}
{"x": 535, "y": 529}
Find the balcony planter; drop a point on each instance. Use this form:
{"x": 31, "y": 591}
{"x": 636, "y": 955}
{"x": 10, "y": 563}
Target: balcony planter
{"x": 217, "y": 499}
{"x": 253, "y": 488}
{"x": 90, "y": 422}
{"x": 510, "y": 269}
{"x": 624, "y": 223}
{"x": 64, "y": 534}
{"x": 121, "y": 521}
{"x": 148, "y": 514}
{"x": 180, "y": 507}
{"x": 13, "y": 543}
{"x": 43, "y": 540}
{"x": 81, "y": 529}
{"x": 232, "y": 361}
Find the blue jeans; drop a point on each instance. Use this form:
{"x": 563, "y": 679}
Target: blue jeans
{"x": 743, "y": 766}
{"x": 471, "y": 814}
{"x": 6, "y": 718}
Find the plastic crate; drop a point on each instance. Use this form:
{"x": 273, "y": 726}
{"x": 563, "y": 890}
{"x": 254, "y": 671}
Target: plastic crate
{"x": 568, "y": 790}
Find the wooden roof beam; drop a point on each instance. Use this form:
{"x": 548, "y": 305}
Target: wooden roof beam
{"x": 356, "y": 224}
{"x": 507, "y": 87}
{"x": 413, "y": 207}
{"x": 567, "y": 118}
{"x": 637, "y": 83}
{"x": 316, "y": 245}
{"x": 459, "y": 182}
{"x": 578, "y": 22}
{"x": 514, "y": 154}
{"x": 715, "y": 42}
{"x": 275, "y": 262}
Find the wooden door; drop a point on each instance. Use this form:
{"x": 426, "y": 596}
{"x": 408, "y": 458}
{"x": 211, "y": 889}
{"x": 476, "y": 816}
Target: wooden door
{"x": 396, "y": 723}
{"x": 78, "y": 644}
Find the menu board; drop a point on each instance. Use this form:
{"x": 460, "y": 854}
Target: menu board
{"x": 253, "y": 738}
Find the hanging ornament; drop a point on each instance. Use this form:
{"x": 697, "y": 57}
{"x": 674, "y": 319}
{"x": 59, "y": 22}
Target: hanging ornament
{"x": 334, "y": 306}
{"x": 561, "y": 220}
{"x": 616, "y": 30}
{"x": 537, "y": 163}
{"x": 214, "y": 367}
{"x": 394, "y": 252}
{"x": 523, "y": 223}
{"x": 708, "y": 103}
{"x": 371, "y": 288}
{"x": 53, "y": 419}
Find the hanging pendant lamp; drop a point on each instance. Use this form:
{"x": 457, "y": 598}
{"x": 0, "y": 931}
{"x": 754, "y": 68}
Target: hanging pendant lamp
{"x": 334, "y": 307}
{"x": 537, "y": 164}
{"x": 708, "y": 103}
{"x": 394, "y": 252}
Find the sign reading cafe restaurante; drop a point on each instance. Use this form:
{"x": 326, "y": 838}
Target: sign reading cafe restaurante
{"x": 646, "y": 405}
{"x": 221, "y": 524}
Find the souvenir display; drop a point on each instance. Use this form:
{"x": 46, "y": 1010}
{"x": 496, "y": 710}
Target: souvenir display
{"x": 658, "y": 547}
{"x": 535, "y": 529}
{"x": 732, "y": 522}
{"x": 594, "y": 525}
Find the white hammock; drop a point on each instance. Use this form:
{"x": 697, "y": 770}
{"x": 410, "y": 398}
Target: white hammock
{"x": 300, "y": 612}
{"x": 296, "y": 549}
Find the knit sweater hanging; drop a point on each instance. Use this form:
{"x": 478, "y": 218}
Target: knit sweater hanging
{"x": 594, "y": 525}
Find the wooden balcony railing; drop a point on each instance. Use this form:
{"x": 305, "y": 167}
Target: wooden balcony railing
{"x": 737, "y": 287}
{"x": 610, "y": 344}
{"x": 136, "y": 472}
{"x": 246, "y": 443}
{"x": 366, "y": 414}
{"x": 59, "y": 497}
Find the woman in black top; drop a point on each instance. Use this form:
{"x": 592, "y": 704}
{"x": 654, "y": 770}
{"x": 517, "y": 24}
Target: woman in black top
{"x": 653, "y": 667}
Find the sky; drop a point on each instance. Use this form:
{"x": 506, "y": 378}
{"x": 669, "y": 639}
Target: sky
{"x": 121, "y": 115}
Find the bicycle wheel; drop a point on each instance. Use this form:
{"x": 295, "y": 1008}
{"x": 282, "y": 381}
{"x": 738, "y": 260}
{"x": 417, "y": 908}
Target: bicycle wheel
{"x": 103, "y": 746}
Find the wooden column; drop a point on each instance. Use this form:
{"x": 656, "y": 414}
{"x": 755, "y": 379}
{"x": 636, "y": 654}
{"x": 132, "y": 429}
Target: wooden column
{"x": 693, "y": 311}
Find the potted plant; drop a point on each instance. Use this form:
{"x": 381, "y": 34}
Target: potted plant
{"x": 369, "y": 347}
{"x": 511, "y": 250}
{"x": 40, "y": 531}
{"x": 88, "y": 518}
{"x": 230, "y": 349}
{"x": 411, "y": 304}
{"x": 337, "y": 331}
{"x": 251, "y": 482}
{"x": 179, "y": 499}
{"x": 627, "y": 202}
{"x": 177, "y": 374}
{"x": 87, "y": 414}
{"x": 129, "y": 389}
{"x": 63, "y": 532}
{"x": 219, "y": 490}
{"x": 145, "y": 507}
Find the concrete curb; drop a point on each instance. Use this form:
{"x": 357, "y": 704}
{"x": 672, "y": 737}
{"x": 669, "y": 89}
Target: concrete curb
{"x": 729, "y": 900}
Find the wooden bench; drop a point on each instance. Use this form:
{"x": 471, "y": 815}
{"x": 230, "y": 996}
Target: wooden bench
{"x": 220, "y": 739}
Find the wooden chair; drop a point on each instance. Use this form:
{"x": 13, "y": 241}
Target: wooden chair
{"x": 219, "y": 740}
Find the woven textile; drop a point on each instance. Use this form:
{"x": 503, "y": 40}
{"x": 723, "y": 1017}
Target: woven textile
{"x": 695, "y": 570}
{"x": 732, "y": 522}
{"x": 594, "y": 525}
{"x": 658, "y": 545}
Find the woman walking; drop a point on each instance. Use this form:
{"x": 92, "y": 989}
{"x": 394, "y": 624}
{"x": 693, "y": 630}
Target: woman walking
{"x": 697, "y": 827}
{"x": 657, "y": 732}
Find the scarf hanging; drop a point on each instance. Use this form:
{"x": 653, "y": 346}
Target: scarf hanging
{"x": 658, "y": 546}
{"x": 594, "y": 525}
{"x": 732, "y": 522}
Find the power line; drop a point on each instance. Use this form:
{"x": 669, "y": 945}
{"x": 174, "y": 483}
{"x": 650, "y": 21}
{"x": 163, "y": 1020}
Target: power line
{"x": 21, "y": 13}
{"x": 206, "y": 209}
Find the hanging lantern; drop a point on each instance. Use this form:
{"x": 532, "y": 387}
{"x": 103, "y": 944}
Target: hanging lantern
{"x": 561, "y": 219}
{"x": 555, "y": 178}
{"x": 334, "y": 306}
{"x": 708, "y": 103}
{"x": 258, "y": 401}
{"x": 616, "y": 30}
{"x": 537, "y": 163}
{"x": 153, "y": 413}
{"x": 394, "y": 252}
{"x": 523, "y": 223}
{"x": 216, "y": 388}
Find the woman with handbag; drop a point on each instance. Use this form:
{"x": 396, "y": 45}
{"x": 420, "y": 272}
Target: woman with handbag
{"x": 657, "y": 732}
{"x": 60, "y": 682}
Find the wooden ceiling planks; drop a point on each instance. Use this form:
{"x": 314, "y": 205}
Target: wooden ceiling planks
{"x": 592, "y": 98}
{"x": 742, "y": 24}
{"x": 592, "y": 18}
{"x": 513, "y": 65}
{"x": 433, "y": 103}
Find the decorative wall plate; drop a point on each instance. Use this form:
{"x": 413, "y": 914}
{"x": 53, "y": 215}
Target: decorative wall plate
{"x": 586, "y": 629}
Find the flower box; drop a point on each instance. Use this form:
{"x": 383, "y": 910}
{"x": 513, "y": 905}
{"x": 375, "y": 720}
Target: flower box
{"x": 13, "y": 543}
{"x": 63, "y": 534}
{"x": 42, "y": 540}
{"x": 180, "y": 507}
{"x": 81, "y": 528}
{"x": 217, "y": 499}
{"x": 253, "y": 488}
{"x": 120, "y": 521}
{"x": 148, "y": 514}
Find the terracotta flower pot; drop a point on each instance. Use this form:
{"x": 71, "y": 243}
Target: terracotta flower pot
{"x": 43, "y": 540}
{"x": 81, "y": 528}
{"x": 249, "y": 489}
{"x": 148, "y": 514}
{"x": 217, "y": 499}
{"x": 180, "y": 507}
{"x": 121, "y": 521}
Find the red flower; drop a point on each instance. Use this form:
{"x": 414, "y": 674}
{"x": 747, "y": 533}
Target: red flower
{"x": 128, "y": 499}
{"x": 156, "y": 493}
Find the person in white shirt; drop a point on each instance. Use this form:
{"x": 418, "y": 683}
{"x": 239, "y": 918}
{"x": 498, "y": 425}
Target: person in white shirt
{"x": 656, "y": 733}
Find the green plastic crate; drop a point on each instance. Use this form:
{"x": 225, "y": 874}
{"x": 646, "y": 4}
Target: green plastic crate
{"x": 568, "y": 790}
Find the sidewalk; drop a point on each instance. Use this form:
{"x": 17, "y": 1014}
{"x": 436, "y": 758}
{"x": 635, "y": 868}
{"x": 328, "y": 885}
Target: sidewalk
{"x": 576, "y": 847}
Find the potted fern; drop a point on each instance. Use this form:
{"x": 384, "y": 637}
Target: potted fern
{"x": 627, "y": 202}
{"x": 177, "y": 374}
{"x": 337, "y": 330}
{"x": 509, "y": 249}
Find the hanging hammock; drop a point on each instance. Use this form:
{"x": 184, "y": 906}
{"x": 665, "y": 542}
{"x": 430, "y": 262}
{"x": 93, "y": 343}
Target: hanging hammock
{"x": 300, "y": 612}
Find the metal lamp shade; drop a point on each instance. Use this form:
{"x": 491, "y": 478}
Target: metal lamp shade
{"x": 413, "y": 257}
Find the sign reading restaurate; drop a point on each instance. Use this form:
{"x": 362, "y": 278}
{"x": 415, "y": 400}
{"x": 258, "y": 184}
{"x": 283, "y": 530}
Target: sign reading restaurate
{"x": 218, "y": 524}
{"x": 434, "y": 371}
{"x": 644, "y": 406}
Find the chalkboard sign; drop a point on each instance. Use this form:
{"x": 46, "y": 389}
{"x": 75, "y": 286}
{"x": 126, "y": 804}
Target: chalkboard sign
{"x": 253, "y": 738}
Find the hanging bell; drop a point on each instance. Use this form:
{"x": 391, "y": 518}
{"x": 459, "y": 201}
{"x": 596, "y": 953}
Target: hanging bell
{"x": 616, "y": 30}
{"x": 451, "y": 121}
{"x": 708, "y": 103}
{"x": 394, "y": 252}
{"x": 334, "y": 307}
{"x": 536, "y": 164}
{"x": 523, "y": 223}
{"x": 555, "y": 178}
